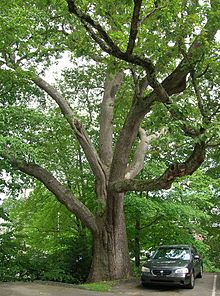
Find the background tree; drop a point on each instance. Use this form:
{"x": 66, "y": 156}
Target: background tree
{"x": 48, "y": 244}
{"x": 166, "y": 58}
{"x": 180, "y": 215}
{"x": 212, "y": 228}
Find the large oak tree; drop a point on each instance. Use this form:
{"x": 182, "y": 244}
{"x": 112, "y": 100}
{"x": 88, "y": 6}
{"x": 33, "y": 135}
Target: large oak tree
{"x": 164, "y": 52}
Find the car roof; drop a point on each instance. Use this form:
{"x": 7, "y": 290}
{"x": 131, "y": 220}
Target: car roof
{"x": 175, "y": 246}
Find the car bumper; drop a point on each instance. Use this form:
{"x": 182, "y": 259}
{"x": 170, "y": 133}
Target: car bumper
{"x": 148, "y": 278}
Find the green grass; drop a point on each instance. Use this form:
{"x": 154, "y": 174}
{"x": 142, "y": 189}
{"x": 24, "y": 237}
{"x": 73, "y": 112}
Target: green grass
{"x": 98, "y": 287}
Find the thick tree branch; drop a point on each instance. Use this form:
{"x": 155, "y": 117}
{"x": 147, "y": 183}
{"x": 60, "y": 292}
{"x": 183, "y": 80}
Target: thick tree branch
{"x": 176, "y": 81}
{"x": 140, "y": 84}
{"x": 134, "y": 26}
{"x": 97, "y": 39}
{"x": 62, "y": 193}
{"x": 169, "y": 176}
{"x": 111, "y": 86}
{"x": 88, "y": 22}
{"x": 138, "y": 162}
{"x": 100, "y": 36}
{"x": 127, "y": 137}
{"x": 114, "y": 50}
{"x": 198, "y": 94}
{"x": 82, "y": 136}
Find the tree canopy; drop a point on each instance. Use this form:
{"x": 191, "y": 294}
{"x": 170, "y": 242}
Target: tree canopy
{"x": 137, "y": 110}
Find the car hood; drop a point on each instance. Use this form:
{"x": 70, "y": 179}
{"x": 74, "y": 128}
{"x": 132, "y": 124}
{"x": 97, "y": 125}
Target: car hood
{"x": 162, "y": 263}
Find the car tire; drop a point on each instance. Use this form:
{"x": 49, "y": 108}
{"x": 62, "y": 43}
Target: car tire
{"x": 144, "y": 285}
{"x": 192, "y": 281}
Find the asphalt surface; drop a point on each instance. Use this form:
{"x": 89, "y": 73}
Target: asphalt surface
{"x": 209, "y": 285}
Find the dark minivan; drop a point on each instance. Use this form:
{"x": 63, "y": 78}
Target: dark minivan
{"x": 173, "y": 265}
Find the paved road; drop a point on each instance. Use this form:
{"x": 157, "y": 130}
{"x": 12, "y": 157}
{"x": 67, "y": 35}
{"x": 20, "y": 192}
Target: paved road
{"x": 209, "y": 285}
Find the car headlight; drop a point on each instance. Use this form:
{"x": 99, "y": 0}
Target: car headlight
{"x": 182, "y": 270}
{"x": 145, "y": 269}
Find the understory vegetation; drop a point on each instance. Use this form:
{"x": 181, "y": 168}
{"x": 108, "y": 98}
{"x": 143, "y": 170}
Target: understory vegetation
{"x": 52, "y": 245}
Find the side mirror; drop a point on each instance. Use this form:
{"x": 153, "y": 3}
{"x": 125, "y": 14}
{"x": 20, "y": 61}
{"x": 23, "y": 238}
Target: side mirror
{"x": 196, "y": 257}
{"x": 148, "y": 255}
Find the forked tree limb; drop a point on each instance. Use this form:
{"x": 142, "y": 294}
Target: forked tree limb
{"x": 81, "y": 134}
{"x": 165, "y": 181}
{"x": 174, "y": 83}
{"x": 101, "y": 37}
{"x": 138, "y": 162}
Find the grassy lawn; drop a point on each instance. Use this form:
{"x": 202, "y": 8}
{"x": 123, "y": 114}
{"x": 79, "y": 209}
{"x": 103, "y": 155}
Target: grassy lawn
{"x": 99, "y": 287}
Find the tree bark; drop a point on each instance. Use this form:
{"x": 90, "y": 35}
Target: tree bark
{"x": 137, "y": 242}
{"x": 193, "y": 162}
{"x": 137, "y": 164}
{"x": 110, "y": 248}
{"x": 90, "y": 152}
{"x": 62, "y": 193}
{"x": 111, "y": 86}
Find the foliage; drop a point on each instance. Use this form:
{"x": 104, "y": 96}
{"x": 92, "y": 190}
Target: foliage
{"x": 27, "y": 263}
{"x": 213, "y": 230}
{"x": 168, "y": 54}
{"x": 48, "y": 244}
{"x": 181, "y": 216}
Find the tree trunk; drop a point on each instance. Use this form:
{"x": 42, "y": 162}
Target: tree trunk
{"x": 110, "y": 247}
{"x": 137, "y": 242}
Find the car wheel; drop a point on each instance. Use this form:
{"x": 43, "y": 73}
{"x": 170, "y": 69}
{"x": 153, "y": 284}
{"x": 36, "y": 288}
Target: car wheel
{"x": 144, "y": 285}
{"x": 192, "y": 281}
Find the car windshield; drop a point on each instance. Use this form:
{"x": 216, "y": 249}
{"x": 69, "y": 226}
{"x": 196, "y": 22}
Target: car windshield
{"x": 172, "y": 253}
